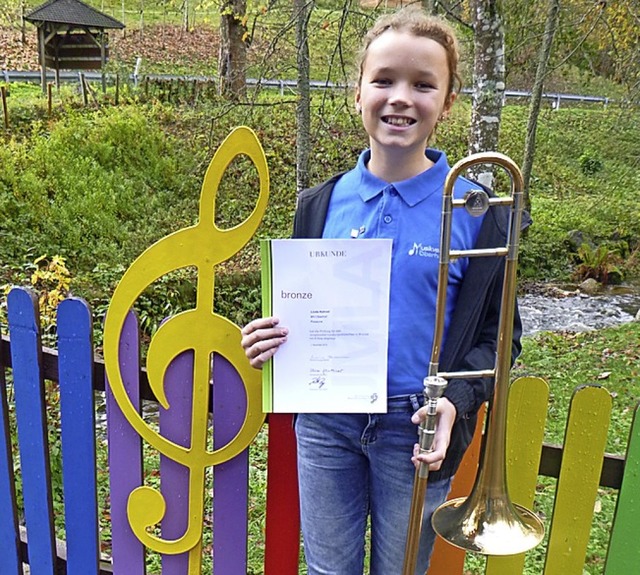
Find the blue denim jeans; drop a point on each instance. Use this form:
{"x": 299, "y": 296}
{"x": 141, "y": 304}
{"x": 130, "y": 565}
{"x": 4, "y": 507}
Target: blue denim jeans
{"x": 352, "y": 466}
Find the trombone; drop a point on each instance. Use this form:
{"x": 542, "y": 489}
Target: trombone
{"x": 486, "y": 521}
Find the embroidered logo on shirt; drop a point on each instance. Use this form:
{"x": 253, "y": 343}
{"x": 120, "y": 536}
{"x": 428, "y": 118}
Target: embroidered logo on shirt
{"x": 424, "y": 251}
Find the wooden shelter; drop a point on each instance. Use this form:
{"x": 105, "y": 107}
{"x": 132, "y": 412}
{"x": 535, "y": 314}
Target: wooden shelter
{"x": 71, "y": 36}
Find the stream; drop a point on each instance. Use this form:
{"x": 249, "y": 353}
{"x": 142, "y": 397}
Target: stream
{"x": 567, "y": 309}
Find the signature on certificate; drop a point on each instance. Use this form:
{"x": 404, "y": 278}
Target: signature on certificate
{"x": 317, "y": 381}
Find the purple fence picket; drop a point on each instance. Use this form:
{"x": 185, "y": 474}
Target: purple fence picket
{"x": 26, "y": 358}
{"x": 175, "y": 425}
{"x": 78, "y": 428}
{"x": 230, "y": 479}
{"x": 125, "y": 458}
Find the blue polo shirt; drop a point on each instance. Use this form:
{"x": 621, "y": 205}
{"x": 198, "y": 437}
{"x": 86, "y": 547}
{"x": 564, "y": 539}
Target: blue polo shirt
{"x": 364, "y": 206}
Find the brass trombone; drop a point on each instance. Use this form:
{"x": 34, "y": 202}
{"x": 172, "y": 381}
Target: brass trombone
{"x": 486, "y": 521}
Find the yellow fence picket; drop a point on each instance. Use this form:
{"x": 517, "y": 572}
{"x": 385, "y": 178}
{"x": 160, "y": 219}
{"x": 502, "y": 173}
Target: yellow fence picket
{"x": 584, "y": 445}
{"x": 527, "y": 414}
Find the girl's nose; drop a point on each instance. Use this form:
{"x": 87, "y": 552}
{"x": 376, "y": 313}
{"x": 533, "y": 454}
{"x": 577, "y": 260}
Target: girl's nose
{"x": 400, "y": 95}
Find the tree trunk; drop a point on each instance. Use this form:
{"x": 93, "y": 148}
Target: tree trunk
{"x": 141, "y": 19}
{"x": 232, "y": 58}
{"x": 429, "y": 6}
{"x": 488, "y": 82}
{"x": 303, "y": 9}
{"x": 536, "y": 97}
{"x": 23, "y": 27}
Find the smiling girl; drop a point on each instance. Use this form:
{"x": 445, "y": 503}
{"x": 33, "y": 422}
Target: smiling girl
{"x": 358, "y": 468}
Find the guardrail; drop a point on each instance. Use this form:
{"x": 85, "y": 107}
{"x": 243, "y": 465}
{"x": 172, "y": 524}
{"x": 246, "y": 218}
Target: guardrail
{"x": 282, "y": 85}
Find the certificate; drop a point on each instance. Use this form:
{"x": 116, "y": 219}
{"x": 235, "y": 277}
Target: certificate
{"x": 333, "y": 296}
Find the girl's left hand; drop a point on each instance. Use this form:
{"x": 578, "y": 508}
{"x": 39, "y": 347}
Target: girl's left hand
{"x": 446, "y": 413}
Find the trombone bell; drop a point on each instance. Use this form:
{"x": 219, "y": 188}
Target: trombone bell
{"x": 488, "y": 526}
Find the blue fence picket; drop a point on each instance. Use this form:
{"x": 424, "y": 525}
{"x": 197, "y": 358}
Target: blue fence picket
{"x": 75, "y": 365}
{"x": 9, "y": 535}
{"x": 24, "y": 330}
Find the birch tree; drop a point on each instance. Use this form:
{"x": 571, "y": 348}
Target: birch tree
{"x": 429, "y": 6}
{"x": 185, "y": 15}
{"x": 488, "y": 82}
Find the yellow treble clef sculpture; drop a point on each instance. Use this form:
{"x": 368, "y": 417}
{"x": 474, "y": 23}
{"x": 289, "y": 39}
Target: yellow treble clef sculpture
{"x": 203, "y": 246}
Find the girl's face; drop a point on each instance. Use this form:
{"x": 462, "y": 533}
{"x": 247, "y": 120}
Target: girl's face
{"x": 403, "y": 92}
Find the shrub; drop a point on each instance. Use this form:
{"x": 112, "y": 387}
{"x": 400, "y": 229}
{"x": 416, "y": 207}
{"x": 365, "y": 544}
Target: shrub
{"x": 601, "y": 264}
{"x": 590, "y": 164}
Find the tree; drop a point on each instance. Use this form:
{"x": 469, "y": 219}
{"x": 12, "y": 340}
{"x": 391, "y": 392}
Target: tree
{"x": 303, "y": 9}
{"x": 232, "y": 59}
{"x": 536, "y": 96}
{"x": 429, "y": 6}
{"x": 488, "y": 81}
{"x": 185, "y": 15}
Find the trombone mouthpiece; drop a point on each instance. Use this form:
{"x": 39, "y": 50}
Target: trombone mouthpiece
{"x": 434, "y": 386}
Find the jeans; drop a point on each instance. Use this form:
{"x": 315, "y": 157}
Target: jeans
{"x": 352, "y": 466}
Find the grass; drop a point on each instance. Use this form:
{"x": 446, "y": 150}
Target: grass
{"x": 609, "y": 357}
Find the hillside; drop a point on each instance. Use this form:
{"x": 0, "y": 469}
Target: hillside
{"x": 167, "y": 44}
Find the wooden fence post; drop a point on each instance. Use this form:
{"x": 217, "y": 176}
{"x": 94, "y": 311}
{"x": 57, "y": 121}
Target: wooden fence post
{"x": 78, "y": 425}
{"x": 5, "y": 110}
{"x": 30, "y": 408}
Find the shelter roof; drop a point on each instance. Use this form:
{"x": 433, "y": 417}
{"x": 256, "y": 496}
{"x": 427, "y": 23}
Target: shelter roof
{"x": 73, "y": 12}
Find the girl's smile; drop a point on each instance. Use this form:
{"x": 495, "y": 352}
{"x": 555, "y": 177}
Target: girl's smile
{"x": 398, "y": 120}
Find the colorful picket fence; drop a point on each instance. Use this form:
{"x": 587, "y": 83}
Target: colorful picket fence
{"x": 75, "y": 373}
{"x": 27, "y": 529}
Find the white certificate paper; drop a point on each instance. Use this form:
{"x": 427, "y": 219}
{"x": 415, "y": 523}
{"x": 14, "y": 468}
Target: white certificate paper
{"x": 333, "y": 296}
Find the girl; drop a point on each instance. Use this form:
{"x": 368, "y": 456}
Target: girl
{"x": 355, "y": 468}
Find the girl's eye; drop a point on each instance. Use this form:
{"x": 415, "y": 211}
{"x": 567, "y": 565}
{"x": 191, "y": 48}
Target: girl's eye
{"x": 425, "y": 86}
{"x": 381, "y": 82}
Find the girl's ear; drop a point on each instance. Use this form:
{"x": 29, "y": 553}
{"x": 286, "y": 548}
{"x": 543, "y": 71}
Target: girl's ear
{"x": 451, "y": 98}
{"x": 358, "y": 105}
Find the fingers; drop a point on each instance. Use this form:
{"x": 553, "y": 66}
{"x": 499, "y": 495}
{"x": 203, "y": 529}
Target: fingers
{"x": 445, "y": 410}
{"x": 261, "y": 338}
{"x": 446, "y": 418}
{"x": 433, "y": 458}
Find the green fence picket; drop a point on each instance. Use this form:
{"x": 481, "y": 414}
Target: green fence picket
{"x": 623, "y": 555}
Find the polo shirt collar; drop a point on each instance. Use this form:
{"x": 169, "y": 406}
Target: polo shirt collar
{"x": 413, "y": 190}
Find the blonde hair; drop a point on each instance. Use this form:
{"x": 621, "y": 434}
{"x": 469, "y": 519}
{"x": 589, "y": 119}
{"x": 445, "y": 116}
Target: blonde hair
{"x": 415, "y": 21}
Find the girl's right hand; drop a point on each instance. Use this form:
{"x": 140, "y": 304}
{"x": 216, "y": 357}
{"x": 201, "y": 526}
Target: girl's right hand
{"x": 261, "y": 338}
